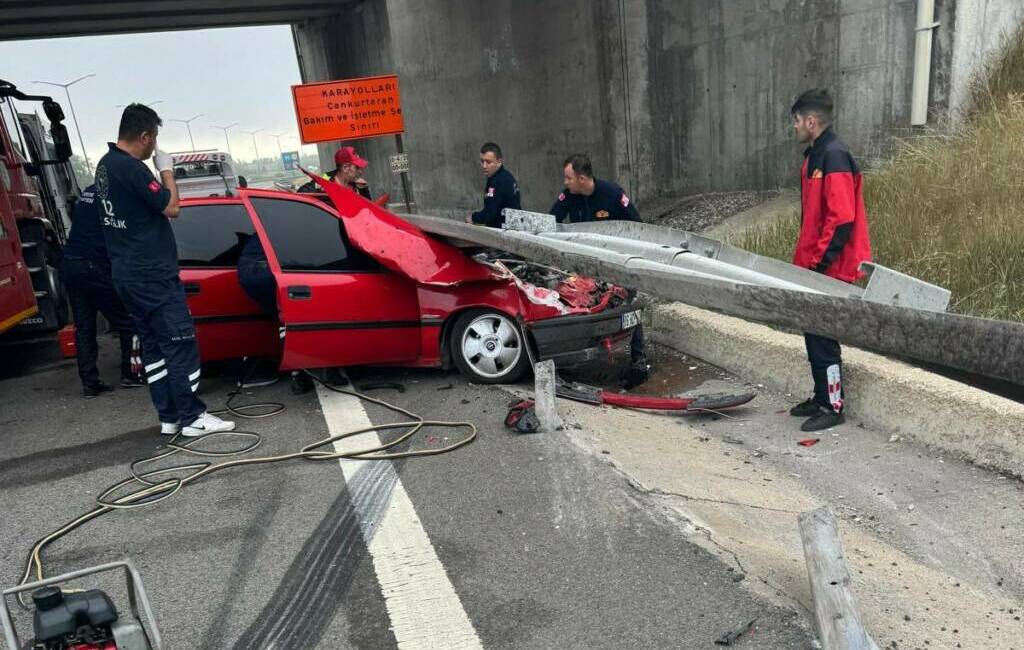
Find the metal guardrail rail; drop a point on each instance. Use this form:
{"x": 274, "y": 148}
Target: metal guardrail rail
{"x": 895, "y": 314}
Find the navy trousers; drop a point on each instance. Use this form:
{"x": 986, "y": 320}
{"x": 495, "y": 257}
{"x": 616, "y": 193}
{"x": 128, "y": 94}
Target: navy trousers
{"x": 826, "y": 360}
{"x": 170, "y": 355}
{"x": 91, "y": 291}
{"x": 258, "y": 282}
{"x": 636, "y": 342}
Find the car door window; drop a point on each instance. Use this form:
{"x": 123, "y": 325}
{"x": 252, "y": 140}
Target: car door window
{"x": 211, "y": 235}
{"x": 306, "y": 238}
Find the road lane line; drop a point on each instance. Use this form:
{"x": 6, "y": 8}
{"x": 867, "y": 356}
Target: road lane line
{"x": 424, "y": 609}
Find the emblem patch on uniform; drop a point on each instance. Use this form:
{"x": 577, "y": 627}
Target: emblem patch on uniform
{"x": 624, "y": 201}
{"x": 561, "y": 197}
{"x": 101, "y": 181}
{"x": 490, "y": 192}
{"x": 818, "y": 174}
{"x": 154, "y": 186}
{"x": 602, "y": 214}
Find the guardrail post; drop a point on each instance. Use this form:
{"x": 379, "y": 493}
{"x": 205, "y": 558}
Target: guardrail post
{"x": 544, "y": 396}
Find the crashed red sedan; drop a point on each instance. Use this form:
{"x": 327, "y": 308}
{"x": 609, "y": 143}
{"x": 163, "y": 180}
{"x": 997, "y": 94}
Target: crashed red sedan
{"x": 357, "y": 285}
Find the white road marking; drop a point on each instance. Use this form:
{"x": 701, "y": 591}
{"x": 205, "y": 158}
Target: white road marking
{"x": 424, "y": 609}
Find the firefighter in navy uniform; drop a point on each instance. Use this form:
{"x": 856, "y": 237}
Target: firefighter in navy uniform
{"x": 135, "y": 208}
{"x": 500, "y": 191}
{"x": 586, "y": 198}
{"x": 833, "y": 240}
{"x": 85, "y": 271}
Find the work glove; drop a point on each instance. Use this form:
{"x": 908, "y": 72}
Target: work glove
{"x": 163, "y": 161}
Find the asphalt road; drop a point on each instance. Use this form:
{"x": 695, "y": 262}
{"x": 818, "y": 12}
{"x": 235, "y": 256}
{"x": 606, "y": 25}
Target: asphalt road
{"x": 511, "y": 542}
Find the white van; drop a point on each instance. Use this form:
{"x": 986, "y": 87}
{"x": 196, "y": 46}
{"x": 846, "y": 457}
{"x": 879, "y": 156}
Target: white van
{"x": 204, "y": 173}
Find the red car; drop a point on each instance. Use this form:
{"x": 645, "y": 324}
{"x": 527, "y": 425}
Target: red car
{"x": 357, "y": 285}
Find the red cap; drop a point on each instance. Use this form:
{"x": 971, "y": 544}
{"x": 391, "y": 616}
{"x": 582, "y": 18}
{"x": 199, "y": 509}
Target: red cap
{"x": 348, "y": 155}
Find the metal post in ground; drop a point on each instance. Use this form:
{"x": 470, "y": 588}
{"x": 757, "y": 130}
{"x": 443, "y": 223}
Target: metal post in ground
{"x": 544, "y": 396}
{"x": 406, "y": 186}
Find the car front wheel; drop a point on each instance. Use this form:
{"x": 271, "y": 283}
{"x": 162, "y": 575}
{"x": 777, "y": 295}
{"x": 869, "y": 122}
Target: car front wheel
{"x": 488, "y": 347}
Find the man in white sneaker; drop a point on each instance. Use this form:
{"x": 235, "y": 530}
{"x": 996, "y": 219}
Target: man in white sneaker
{"x": 134, "y": 208}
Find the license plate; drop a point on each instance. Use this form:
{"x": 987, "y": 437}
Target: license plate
{"x": 631, "y": 319}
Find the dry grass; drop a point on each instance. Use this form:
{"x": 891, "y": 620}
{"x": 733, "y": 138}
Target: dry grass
{"x": 949, "y": 209}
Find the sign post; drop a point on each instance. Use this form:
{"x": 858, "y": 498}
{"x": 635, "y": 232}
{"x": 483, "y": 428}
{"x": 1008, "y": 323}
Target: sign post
{"x": 290, "y": 160}
{"x": 400, "y": 165}
{"x": 352, "y": 109}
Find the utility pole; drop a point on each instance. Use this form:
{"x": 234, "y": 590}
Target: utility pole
{"x": 72, "y": 107}
{"x": 226, "y": 140}
{"x": 259, "y": 167}
{"x": 188, "y": 125}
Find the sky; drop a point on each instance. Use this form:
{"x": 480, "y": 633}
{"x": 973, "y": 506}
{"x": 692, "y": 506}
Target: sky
{"x": 239, "y": 75}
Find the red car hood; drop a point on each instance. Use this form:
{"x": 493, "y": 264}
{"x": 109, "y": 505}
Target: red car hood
{"x": 399, "y": 245}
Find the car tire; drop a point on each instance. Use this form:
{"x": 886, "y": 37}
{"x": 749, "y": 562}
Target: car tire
{"x": 488, "y": 347}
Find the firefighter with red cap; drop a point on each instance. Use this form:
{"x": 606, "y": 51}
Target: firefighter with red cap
{"x": 348, "y": 172}
{"x": 833, "y": 240}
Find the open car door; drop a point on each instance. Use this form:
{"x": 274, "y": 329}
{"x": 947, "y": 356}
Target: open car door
{"x": 210, "y": 236}
{"x": 338, "y": 306}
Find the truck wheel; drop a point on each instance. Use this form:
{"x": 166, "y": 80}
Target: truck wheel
{"x": 488, "y": 347}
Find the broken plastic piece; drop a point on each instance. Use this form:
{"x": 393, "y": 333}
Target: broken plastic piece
{"x": 522, "y": 417}
{"x": 593, "y": 395}
{"x": 809, "y": 442}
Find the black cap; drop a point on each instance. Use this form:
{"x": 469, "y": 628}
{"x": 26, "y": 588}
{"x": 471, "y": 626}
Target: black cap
{"x": 47, "y": 598}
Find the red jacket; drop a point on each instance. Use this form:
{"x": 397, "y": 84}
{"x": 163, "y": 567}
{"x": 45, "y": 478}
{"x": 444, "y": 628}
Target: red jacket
{"x": 833, "y": 226}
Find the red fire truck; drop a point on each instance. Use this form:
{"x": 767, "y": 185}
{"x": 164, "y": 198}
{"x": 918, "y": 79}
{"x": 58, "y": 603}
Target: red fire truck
{"x": 37, "y": 190}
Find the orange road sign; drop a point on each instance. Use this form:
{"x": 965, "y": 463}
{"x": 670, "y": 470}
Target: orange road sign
{"x": 348, "y": 109}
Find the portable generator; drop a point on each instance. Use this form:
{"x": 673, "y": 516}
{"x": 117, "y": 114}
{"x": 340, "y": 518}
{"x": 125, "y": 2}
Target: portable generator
{"x": 64, "y": 619}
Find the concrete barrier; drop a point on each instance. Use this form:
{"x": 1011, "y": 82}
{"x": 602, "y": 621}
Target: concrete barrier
{"x": 886, "y": 395}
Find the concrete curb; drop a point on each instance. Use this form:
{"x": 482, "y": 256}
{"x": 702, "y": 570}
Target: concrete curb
{"x": 886, "y": 395}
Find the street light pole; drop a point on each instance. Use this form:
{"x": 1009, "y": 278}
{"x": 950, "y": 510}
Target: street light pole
{"x": 188, "y": 125}
{"x": 72, "y": 107}
{"x": 280, "y": 152}
{"x": 226, "y": 140}
{"x": 259, "y": 167}
{"x": 150, "y": 104}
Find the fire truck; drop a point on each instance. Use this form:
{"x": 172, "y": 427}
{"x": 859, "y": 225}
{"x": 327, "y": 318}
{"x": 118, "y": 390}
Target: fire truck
{"x": 37, "y": 191}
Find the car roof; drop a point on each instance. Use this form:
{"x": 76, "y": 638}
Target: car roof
{"x": 252, "y": 192}
{"x": 408, "y": 250}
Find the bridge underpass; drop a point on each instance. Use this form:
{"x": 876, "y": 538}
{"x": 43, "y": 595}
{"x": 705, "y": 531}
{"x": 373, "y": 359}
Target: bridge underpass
{"x": 23, "y": 20}
{"x": 668, "y": 97}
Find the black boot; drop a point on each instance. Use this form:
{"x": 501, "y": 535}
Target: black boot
{"x": 301, "y": 382}
{"x": 335, "y": 377}
{"x": 89, "y": 392}
{"x": 638, "y": 372}
{"x": 825, "y": 419}
{"x": 132, "y": 381}
{"x": 805, "y": 409}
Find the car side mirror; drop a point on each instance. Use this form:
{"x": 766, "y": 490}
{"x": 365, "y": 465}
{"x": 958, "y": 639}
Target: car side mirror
{"x": 61, "y": 141}
{"x": 31, "y": 169}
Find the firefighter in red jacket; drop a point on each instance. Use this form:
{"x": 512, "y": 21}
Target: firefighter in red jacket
{"x": 833, "y": 240}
